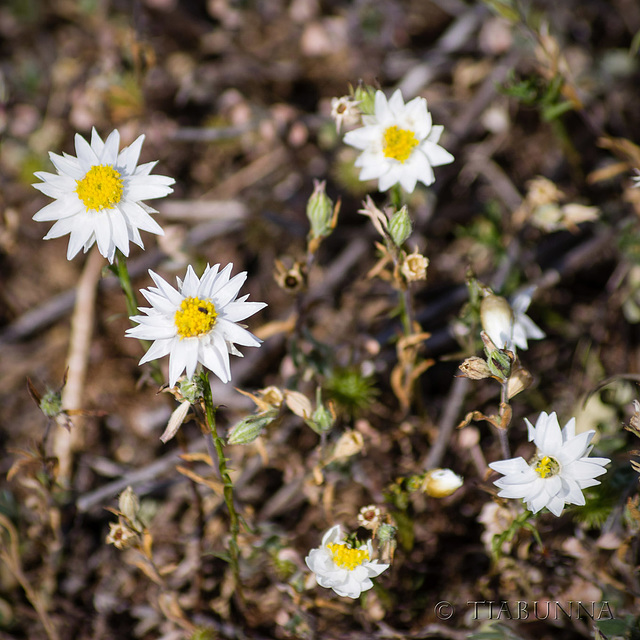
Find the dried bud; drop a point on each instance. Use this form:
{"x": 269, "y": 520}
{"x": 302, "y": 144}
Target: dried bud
{"x": 440, "y": 483}
{"x": 634, "y": 422}
{"x": 120, "y": 536}
{"x": 496, "y": 316}
{"x": 292, "y": 280}
{"x": 298, "y": 403}
{"x": 369, "y": 517}
{"x": 251, "y": 427}
{"x": 414, "y": 267}
{"x": 519, "y": 380}
{"x": 400, "y": 226}
{"x": 320, "y": 211}
{"x": 349, "y": 444}
{"x": 129, "y": 505}
{"x": 475, "y": 368}
{"x": 175, "y": 421}
{"x": 272, "y": 396}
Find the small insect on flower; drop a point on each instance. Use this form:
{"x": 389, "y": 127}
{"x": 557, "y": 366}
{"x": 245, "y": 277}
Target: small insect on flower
{"x": 338, "y": 566}
{"x": 559, "y": 471}
{"x": 399, "y": 143}
{"x": 98, "y": 196}
{"x": 197, "y": 322}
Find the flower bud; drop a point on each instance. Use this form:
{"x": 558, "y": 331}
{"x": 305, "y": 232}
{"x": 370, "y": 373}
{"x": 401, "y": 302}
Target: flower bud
{"x": 298, "y": 403}
{"x": 475, "y": 368}
{"x": 51, "y": 404}
{"x": 248, "y": 429}
{"x": 414, "y": 267}
{"x": 366, "y": 96}
{"x": 320, "y": 211}
{"x": 349, "y": 444}
{"x": 499, "y": 363}
{"x": 129, "y": 505}
{"x": 496, "y": 316}
{"x": 386, "y": 532}
{"x": 440, "y": 483}
{"x": 120, "y": 536}
{"x": 192, "y": 389}
{"x": 400, "y": 226}
{"x": 272, "y": 395}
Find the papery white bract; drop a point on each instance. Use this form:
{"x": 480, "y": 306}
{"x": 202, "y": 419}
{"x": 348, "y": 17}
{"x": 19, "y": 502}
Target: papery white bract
{"x": 523, "y": 326}
{"x": 558, "y": 472}
{"x": 197, "y": 322}
{"x": 98, "y": 195}
{"x": 339, "y": 567}
{"x": 399, "y": 143}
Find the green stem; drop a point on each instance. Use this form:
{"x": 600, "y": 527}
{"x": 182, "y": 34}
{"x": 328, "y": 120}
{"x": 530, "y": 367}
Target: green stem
{"x": 396, "y": 196}
{"x": 122, "y": 272}
{"x": 125, "y": 282}
{"x": 215, "y": 446}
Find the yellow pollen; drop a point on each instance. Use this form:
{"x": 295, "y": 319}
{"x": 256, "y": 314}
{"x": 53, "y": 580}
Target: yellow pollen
{"x": 547, "y": 467}
{"x": 347, "y": 558}
{"x": 101, "y": 188}
{"x": 195, "y": 317}
{"x": 399, "y": 143}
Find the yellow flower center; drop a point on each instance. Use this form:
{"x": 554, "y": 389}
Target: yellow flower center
{"x": 195, "y": 317}
{"x": 399, "y": 143}
{"x": 101, "y": 188}
{"x": 547, "y": 466}
{"x": 347, "y": 558}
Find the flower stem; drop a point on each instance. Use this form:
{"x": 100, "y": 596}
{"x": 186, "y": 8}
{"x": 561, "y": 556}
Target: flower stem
{"x": 396, "y": 196}
{"x": 122, "y": 272}
{"x": 215, "y": 448}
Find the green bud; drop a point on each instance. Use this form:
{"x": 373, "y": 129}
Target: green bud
{"x": 400, "y": 226}
{"x": 320, "y": 211}
{"x": 366, "y": 95}
{"x": 322, "y": 419}
{"x": 414, "y": 483}
{"x": 386, "y": 532}
{"x": 248, "y": 429}
{"x": 51, "y": 404}
{"x": 192, "y": 389}
{"x": 499, "y": 364}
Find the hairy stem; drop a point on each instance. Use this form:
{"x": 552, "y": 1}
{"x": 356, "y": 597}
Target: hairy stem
{"x": 215, "y": 446}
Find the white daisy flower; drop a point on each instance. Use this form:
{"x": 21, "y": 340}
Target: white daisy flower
{"x": 506, "y": 323}
{"x": 399, "y": 143}
{"x": 197, "y": 323}
{"x": 339, "y": 567}
{"x": 98, "y": 196}
{"x": 558, "y": 472}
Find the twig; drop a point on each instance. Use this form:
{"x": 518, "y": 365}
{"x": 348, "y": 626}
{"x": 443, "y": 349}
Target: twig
{"x": 10, "y": 555}
{"x": 66, "y": 442}
{"x": 448, "y": 421}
